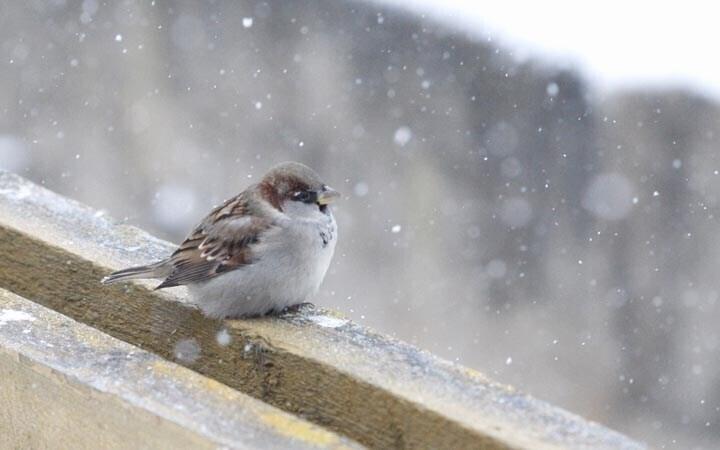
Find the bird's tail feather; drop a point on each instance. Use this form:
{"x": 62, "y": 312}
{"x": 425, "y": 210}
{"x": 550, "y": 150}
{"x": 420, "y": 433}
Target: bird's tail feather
{"x": 155, "y": 270}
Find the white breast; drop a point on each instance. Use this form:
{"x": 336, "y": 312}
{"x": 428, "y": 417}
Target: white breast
{"x": 291, "y": 262}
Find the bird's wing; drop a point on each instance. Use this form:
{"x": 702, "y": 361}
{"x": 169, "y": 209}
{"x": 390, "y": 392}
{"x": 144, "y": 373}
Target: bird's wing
{"x": 222, "y": 242}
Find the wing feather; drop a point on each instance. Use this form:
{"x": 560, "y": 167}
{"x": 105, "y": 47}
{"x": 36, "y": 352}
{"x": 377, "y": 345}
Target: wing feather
{"x": 220, "y": 243}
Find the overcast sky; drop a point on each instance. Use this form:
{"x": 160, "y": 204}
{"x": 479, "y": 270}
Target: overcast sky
{"x": 614, "y": 43}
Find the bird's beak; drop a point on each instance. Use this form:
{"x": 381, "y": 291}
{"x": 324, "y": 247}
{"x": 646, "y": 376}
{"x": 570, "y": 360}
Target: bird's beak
{"x": 327, "y": 195}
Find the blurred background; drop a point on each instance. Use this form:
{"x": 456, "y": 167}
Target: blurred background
{"x": 532, "y": 199}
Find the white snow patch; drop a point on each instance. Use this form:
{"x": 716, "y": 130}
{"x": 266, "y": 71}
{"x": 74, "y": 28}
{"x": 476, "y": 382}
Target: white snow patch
{"x": 22, "y": 192}
{"x": 187, "y": 350}
{"x": 13, "y": 315}
{"x": 247, "y": 22}
{"x": 223, "y": 338}
{"x": 328, "y": 321}
{"x": 402, "y": 136}
{"x": 552, "y": 89}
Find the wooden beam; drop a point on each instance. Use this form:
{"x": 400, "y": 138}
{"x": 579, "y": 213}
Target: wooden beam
{"x": 67, "y": 385}
{"x": 315, "y": 364}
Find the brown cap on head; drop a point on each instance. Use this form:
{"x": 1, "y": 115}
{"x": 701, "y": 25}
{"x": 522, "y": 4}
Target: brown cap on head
{"x": 295, "y": 181}
{"x": 291, "y": 175}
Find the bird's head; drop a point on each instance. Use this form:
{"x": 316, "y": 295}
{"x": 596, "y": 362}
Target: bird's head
{"x": 294, "y": 186}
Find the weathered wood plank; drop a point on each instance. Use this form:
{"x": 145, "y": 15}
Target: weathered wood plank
{"x": 382, "y": 392}
{"x": 67, "y": 385}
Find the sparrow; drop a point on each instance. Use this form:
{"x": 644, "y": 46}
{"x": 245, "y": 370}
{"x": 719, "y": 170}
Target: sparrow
{"x": 261, "y": 252}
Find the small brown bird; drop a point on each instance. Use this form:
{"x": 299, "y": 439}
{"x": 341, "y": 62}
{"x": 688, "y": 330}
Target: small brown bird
{"x": 260, "y": 252}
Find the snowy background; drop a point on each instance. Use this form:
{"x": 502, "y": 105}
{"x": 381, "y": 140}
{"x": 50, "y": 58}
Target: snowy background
{"x": 507, "y": 206}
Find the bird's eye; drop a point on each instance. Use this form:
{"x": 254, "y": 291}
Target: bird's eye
{"x": 301, "y": 196}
